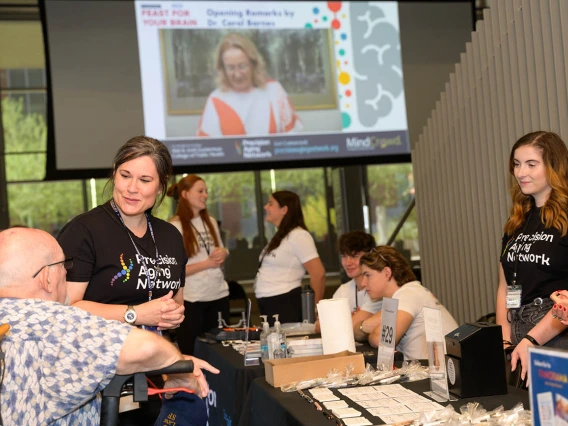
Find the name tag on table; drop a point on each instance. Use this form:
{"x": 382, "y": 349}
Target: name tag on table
{"x": 387, "y": 342}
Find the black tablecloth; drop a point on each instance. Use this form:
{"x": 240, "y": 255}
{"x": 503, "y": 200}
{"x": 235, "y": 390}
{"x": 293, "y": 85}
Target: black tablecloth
{"x": 229, "y": 388}
{"x": 266, "y": 405}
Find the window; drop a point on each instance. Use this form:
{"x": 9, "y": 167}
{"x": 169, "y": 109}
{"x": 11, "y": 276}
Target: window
{"x": 391, "y": 190}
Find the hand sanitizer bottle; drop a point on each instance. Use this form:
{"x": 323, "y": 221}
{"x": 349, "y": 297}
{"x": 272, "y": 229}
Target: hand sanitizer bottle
{"x": 280, "y": 350}
{"x": 264, "y": 338}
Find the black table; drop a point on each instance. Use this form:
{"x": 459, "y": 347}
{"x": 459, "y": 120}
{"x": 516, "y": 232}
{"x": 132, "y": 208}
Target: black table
{"x": 266, "y": 405}
{"x": 229, "y": 388}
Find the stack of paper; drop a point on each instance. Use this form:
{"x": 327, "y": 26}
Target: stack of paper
{"x": 304, "y": 347}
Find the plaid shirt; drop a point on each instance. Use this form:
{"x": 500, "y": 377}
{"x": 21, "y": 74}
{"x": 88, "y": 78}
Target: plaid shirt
{"x": 58, "y": 359}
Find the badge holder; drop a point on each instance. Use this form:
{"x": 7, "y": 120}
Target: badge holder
{"x": 252, "y": 360}
{"x": 513, "y": 298}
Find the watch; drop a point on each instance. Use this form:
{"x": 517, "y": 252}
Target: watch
{"x": 361, "y": 327}
{"x": 130, "y": 315}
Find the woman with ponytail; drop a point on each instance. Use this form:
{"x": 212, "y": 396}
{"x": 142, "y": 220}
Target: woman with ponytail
{"x": 535, "y": 246}
{"x": 206, "y": 292}
{"x": 285, "y": 260}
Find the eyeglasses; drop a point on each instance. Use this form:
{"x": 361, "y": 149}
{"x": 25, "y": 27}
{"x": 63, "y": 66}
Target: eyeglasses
{"x": 67, "y": 264}
{"x": 241, "y": 67}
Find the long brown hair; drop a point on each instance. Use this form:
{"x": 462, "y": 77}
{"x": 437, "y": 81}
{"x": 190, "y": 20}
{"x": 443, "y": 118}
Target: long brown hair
{"x": 382, "y": 256}
{"x": 185, "y": 214}
{"x": 555, "y": 158}
{"x": 292, "y": 219}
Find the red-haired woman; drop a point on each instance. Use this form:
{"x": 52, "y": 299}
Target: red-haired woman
{"x": 206, "y": 292}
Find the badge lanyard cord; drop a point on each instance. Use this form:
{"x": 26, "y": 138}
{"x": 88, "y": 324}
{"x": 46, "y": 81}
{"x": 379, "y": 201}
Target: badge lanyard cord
{"x": 151, "y": 281}
{"x": 205, "y": 244}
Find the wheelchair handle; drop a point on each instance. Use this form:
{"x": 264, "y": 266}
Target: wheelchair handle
{"x": 184, "y": 366}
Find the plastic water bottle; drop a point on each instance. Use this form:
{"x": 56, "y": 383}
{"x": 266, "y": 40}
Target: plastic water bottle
{"x": 308, "y": 304}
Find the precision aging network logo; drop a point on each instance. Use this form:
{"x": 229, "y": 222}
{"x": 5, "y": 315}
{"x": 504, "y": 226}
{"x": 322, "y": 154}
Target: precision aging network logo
{"x": 124, "y": 272}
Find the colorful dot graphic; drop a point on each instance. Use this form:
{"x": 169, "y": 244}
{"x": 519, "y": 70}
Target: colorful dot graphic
{"x": 345, "y": 120}
{"x": 125, "y": 271}
{"x": 344, "y": 78}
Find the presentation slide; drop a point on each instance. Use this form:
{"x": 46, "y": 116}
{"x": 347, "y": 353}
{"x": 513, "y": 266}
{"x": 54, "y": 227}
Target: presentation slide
{"x": 244, "y": 82}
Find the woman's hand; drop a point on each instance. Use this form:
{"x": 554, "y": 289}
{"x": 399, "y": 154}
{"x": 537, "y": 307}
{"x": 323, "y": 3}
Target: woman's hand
{"x": 163, "y": 312}
{"x": 218, "y": 255}
{"x": 521, "y": 354}
{"x": 560, "y": 309}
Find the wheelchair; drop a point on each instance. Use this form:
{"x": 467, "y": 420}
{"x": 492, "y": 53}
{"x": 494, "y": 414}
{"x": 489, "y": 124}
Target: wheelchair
{"x": 135, "y": 385}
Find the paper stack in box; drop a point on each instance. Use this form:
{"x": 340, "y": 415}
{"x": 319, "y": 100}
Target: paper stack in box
{"x": 304, "y": 347}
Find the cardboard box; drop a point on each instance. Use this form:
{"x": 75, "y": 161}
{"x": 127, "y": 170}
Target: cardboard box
{"x": 279, "y": 372}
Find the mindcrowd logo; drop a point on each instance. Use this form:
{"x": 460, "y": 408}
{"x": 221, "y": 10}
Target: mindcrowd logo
{"x": 124, "y": 272}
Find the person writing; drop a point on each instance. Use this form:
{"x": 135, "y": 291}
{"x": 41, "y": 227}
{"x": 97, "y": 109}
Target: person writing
{"x": 59, "y": 357}
{"x": 535, "y": 246}
{"x": 387, "y": 274}
{"x": 206, "y": 292}
{"x": 284, "y": 261}
{"x": 246, "y": 101}
{"x": 353, "y": 245}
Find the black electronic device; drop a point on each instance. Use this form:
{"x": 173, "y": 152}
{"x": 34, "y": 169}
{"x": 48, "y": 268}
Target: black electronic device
{"x": 475, "y": 360}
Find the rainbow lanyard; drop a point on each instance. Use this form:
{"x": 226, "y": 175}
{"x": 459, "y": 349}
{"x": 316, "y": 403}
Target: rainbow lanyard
{"x": 151, "y": 281}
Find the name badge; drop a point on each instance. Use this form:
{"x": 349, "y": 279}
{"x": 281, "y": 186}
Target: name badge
{"x": 513, "y": 296}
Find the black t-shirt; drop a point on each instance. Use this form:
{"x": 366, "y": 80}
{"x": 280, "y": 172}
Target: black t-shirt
{"x": 542, "y": 258}
{"x": 104, "y": 256}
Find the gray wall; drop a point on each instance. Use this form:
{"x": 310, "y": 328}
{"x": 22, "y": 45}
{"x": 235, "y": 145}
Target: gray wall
{"x": 510, "y": 81}
{"x": 433, "y": 34}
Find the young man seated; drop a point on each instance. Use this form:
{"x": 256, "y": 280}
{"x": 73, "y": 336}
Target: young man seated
{"x": 352, "y": 245}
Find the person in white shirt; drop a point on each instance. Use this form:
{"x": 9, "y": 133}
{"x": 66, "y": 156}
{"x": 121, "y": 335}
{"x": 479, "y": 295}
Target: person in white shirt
{"x": 387, "y": 274}
{"x": 206, "y": 292}
{"x": 285, "y": 260}
{"x": 246, "y": 101}
{"x": 353, "y": 245}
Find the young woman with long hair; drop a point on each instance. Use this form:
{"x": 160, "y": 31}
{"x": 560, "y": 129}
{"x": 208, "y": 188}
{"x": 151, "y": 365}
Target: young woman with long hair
{"x": 535, "y": 246}
{"x": 284, "y": 261}
{"x": 206, "y": 292}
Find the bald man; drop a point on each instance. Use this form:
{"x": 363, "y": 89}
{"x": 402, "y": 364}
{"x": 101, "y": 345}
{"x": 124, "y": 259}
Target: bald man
{"x": 58, "y": 357}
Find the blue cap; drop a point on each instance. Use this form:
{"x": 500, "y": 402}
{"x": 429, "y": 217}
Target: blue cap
{"x": 183, "y": 409}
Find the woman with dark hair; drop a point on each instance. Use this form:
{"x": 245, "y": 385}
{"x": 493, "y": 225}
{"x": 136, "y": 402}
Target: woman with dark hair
{"x": 206, "y": 292}
{"x": 127, "y": 264}
{"x": 285, "y": 260}
{"x": 387, "y": 274}
{"x": 535, "y": 246}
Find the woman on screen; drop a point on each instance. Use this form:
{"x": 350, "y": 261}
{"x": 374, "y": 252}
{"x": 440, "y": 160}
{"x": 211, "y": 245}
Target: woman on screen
{"x": 534, "y": 246}
{"x": 206, "y": 292}
{"x": 387, "y": 274}
{"x": 246, "y": 101}
{"x": 285, "y": 260}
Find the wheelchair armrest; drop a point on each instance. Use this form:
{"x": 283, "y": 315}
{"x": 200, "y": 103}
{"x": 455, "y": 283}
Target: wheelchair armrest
{"x": 114, "y": 388}
{"x": 185, "y": 366}
{"x": 112, "y": 393}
